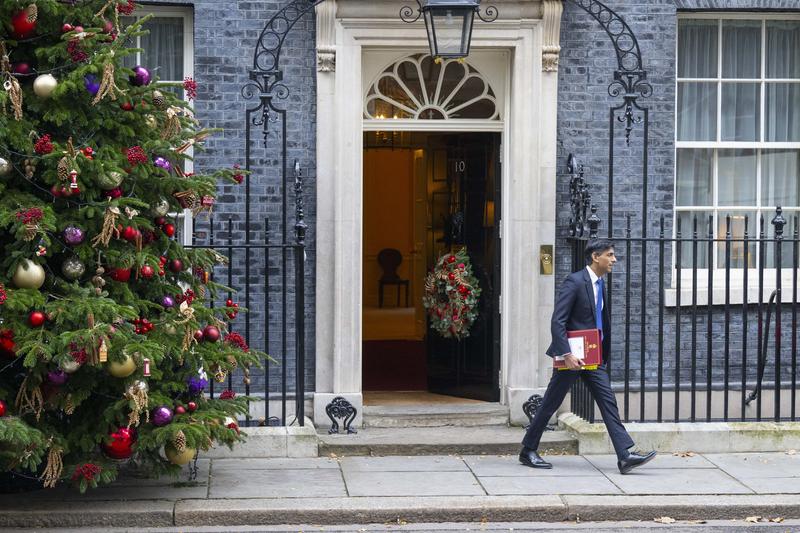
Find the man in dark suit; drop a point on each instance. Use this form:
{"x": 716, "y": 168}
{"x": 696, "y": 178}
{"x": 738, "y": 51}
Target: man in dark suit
{"x": 579, "y": 306}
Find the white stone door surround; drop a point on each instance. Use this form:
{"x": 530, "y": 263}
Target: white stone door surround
{"x": 350, "y": 31}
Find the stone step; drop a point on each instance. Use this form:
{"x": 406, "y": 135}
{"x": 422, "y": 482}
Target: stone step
{"x": 435, "y": 415}
{"x": 441, "y": 441}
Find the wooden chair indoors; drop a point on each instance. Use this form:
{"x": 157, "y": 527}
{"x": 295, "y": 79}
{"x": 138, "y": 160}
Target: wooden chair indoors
{"x": 390, "y": 259}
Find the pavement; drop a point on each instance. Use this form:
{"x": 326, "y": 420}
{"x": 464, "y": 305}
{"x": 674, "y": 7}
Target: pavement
{"x": 419, "y": 489}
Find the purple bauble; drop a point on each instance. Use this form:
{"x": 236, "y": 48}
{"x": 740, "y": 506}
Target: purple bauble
{"x": 141, "y": 76}
{"x": 168, "y": 301}
{"x": 73, "y": 235}
{"x": 57, "y": 377}
{"x": 164, "y": 163}
{"x": 196, "y": 385}
{"x": 91, "y": 84}
{"x": 161, "y": 416}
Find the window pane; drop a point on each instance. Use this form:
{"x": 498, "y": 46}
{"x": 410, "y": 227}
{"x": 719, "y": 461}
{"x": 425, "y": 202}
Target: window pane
{"x": 697, "y": 111}
{"x": 741, "y": 111}
{"x": 687, "y": 222}
{"x": 741, "y": 49}
{"x": 736, "y": 177}
{"x": 738, "y": 219}
{"x": 780, "y": 178}
{"x": 163, "y": 48}
{"x": 697, "y": 48}
{"x": 693, "y": 180}
{"x": 783, "y": 49}
{"x": 783, "y": 112}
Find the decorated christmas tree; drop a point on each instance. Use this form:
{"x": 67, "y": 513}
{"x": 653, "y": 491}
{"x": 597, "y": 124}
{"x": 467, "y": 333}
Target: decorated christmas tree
{"x": 107, "y": 335}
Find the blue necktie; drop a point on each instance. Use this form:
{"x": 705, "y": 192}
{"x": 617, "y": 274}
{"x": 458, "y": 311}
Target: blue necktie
{"x": 599, "y": 307}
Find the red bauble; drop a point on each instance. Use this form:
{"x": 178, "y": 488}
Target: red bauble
{"x": 7, "y": 346}
{"x": 130, "y": 233}
{"x": 121, "y": 445}
{"x": 21, "y": 68}
{"x": 126, "y": 106}
{"x": 79, "y": 29}
{"x": 198, "y": 335}
{"x": 160, "y": 221}
{"x": 36, "y": 319}
{"x": 211, "y": 333}
{"x": 2, "y": 408}
{"x": 55, "y": 190}
{"x": 120, "y": 274}
{"x": 180, "y": 410}
{"x": 192, "y": 406}
{"x": 451, "y": 276}
{"x": 66, "y": 28}
{"x": 21, "y": 26}
{"x": 147, "y": 271}
{"x": 176, "y": 265}
{"x": 451, "y": 259}
{"x": 169, "y": 230}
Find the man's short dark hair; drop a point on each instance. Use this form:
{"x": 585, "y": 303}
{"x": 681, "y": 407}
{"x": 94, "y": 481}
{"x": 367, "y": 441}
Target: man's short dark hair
{"x": 596, "y": 246}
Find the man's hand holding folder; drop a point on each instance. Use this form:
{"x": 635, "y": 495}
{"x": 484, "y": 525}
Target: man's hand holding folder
{"x": 586, "y": 352}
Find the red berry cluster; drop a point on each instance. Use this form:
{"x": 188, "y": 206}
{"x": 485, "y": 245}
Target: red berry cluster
{"x": 136, "y": 155}
{"x": 30, "y": 216}
{"x": 126, "y": 8}
{"x": 227, "y": 394}
{"x": 238, "y": 176}
{"x": 87, "y": 471}
{"x": 187, "y": 297}
{"x": 43, "y": 145}
{"x": 142, "y": 326}
{"x": 88, "y": 152}
{"x": 190, "y": 86}
{"x": 77, "y": 353}
{"x": 3, "y": 295}
{"x": 235, "y": 306}
{"x": 234, "y": 339}
{"x": 76, "y": 51}
{"x": 166, "y": 227}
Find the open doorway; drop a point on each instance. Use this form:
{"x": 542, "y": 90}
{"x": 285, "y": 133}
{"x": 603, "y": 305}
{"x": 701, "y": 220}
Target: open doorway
{"x": 425, "y": 195}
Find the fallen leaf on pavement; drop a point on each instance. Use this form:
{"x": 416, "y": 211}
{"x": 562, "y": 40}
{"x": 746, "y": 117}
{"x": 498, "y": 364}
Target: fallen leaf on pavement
{"x": 752, "y": 519}
{"x": 665, "y": 520}
{"x": 777, "y": 519}
{"x": 684, "y": 454}
{"x": 791, "y": 452}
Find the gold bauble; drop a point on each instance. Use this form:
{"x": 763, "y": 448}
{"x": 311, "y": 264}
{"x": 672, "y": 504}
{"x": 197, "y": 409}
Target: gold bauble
{"x": 29, "y": 275}
{"x": 122, "y": 369}
{"x": 179, "y": 458}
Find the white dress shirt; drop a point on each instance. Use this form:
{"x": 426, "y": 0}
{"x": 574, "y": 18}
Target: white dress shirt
{"x": 594, "y": 279}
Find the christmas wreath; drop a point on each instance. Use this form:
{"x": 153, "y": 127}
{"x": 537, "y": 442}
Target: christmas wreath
{"x": 451, "y": 295}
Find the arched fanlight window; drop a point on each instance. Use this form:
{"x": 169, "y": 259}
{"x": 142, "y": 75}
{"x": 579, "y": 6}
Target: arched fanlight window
{"x": 417, "y": 87}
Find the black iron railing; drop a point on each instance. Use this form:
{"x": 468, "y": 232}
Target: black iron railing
{"x": 713, "y": 339}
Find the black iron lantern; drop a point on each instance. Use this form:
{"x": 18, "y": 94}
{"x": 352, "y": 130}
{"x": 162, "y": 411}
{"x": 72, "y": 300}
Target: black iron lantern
{"x": 449, "y": 24}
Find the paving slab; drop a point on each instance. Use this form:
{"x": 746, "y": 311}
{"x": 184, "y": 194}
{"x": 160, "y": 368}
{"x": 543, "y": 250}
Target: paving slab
{"x": 310, "y": 483}
{"x": 275, "y": 464}
{"x": 429, "y": 463}
{"x": 662, "y": 460}
{"x": 681, "y": 507}
{"x": 234, "y": 512}
{"x": 772, "y": 485}
{"x": 412, "y": 484}
{"x": 676, "y": 481}
{"x": 563, "y": 466}
{"x": 507, "y": 485}
{"x": 747, "y": 465}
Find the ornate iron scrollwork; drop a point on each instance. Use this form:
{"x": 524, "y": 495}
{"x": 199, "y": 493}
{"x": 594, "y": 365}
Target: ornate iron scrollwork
{"x": 407, "y": 13}
{"x": 579, "y": 198}
{"x": 530, "y": 407}
{"x": 630, "y": 78}
{"x": 341, "y": 408}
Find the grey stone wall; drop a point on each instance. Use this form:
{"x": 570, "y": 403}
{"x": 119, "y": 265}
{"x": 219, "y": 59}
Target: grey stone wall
{"x": 586, "y": 69}
{"x": 225, "y": 37}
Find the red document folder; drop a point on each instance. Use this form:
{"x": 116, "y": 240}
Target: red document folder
{"x": 584, "y": 343}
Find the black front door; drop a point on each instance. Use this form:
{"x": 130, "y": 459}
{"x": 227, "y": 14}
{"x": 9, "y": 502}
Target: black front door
{"x": 470, "y": 367}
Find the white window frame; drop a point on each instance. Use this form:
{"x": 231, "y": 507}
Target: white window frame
{"x": 736, "y": 278}
{"x": 187, "y": 14}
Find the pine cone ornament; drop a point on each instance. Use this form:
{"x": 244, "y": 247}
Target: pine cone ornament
{"x": 30, "y": 167}
{"x": 179, "y": 441}
{"x": 159, "y": 101}
{"x": 63, "y": 169}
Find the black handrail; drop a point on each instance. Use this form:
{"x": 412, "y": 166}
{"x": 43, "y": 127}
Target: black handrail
{"x": 762, "y": 358}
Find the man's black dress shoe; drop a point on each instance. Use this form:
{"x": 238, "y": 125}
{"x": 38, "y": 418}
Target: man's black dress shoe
{"x": 633, "y": 460}
{"x": 530, "y": 458}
